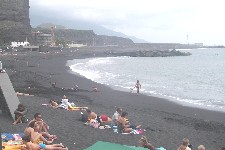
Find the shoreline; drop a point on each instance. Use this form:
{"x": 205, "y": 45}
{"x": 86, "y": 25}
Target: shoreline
{"x": 161, "y": 118}
{"x": 167, "y": 102}
{"x": 186, "y": 102}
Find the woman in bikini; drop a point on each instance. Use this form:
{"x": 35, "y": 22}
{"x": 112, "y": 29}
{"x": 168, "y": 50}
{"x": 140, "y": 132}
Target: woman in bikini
{"x": 53, "y": 103}
{"x": 122, "y": 127}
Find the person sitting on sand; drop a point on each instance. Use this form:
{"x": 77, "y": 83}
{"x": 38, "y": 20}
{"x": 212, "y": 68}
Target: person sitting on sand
{"x": 132, "y": 125}
{"x": 144, "y": 143}
{"x": 43, "y": 129}
{"x": 184, "y": 145}
{"x": 116, "y": 116}
{"x": 122, "y": 126}
{"x": 35, "y": 137}
{"x": 45, "y": 134}
{"x": 65, "y": 104}
{"x": 201, "y": 147}
{"x": 20, "y": 114}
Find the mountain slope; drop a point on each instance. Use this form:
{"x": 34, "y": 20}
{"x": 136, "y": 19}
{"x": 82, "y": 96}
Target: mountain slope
{"x": 36, "y": 20}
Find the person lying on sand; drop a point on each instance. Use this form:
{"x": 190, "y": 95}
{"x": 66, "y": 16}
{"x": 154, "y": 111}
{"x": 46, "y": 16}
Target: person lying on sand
{"x": 103, "y": 119}
{"x": 53, "y": 103}
{"x": 122, "y": 125}
{"x": 34, "y": 146}
{"x": 23, "y": 94}
{"x": 20, "y": 114}
{"x": 144, "y": 143}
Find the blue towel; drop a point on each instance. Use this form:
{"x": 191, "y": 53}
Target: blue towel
{"x": 9, "y": 136}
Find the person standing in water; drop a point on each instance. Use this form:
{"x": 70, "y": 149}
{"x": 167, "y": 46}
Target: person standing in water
{"x": 138, "y": 86}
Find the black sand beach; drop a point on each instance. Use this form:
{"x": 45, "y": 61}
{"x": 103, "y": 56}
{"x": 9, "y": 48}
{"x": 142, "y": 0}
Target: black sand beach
{"x": 166, "y": 123}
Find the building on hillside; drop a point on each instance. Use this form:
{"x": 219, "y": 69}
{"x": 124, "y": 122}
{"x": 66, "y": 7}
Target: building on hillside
{"x": 18, "y": 44}
{"x": 42, "y": 39}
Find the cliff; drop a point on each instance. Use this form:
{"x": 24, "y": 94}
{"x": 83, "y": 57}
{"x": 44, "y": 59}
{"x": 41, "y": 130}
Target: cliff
{"x": 14, "y": 20}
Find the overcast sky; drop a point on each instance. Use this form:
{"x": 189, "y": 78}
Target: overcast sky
{"x": 152, "y": 20}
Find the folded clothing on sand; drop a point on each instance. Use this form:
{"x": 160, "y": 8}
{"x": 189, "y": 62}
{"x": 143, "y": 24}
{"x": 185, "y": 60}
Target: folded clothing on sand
{"x": 12, "y": 141}
{"x": 11, "y": 136}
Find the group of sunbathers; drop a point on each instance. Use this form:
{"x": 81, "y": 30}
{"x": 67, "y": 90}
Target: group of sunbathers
{"x": 65, "y": 104}
{"x": 119, "y": 119}
{"x": 37, "y": 137}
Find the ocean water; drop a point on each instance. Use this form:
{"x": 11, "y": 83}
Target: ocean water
{"x": 197, "y": 80}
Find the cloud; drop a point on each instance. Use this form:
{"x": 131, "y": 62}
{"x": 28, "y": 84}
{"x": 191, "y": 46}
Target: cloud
{"x": 157, "y": 21}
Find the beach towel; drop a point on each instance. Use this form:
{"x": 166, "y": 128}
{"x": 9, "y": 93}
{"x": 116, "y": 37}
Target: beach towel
{"x": 12, "y": 141}
{"x": 77, "y": 108}
{"x": 136, "y": 131}
{"x": 11, "y": 136}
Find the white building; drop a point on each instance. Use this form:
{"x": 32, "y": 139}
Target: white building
{"x": 76, "y": 45}
{"x": 17, "y": 44}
